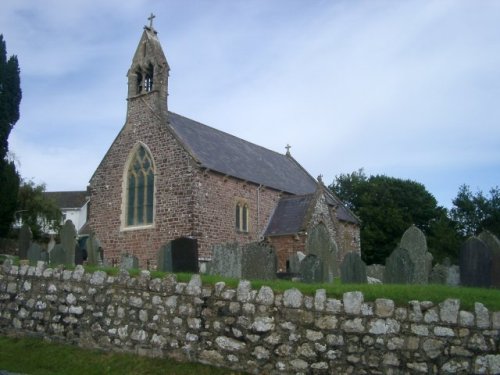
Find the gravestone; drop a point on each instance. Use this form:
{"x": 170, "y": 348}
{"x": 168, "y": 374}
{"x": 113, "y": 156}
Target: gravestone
{"x": 293, "y": 262}
{"x": 311, "y": 269}
{"x": 226, "y": 261}
{"x": 128, "y": 262}
{"x": 453, "y": 276}
{"x": 80, "y": 254}
{"x": 475, "y": 263}
{"x": 375, "y": 271}
{"x": 320, "y": 243}
{"x": 94, "y": 251}
{"x": 179, "y": 255}
{"x": 493, "y": 243}
{"x": 353, "y": 269}
{"x": 24, "y": 241}
{"x": 415, "y": 242}
{"x": 439, "y": 274}
{"x": 258, "y": 261}
{"x": 34, "y": 254}
{"x": 68, "y": 241}
{"x": 51, "y": 244}
{"x": 399, "y": 267}
{"x": 57, "y": 255}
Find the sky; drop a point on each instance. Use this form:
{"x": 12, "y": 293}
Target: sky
{"x": 408, "y": 89}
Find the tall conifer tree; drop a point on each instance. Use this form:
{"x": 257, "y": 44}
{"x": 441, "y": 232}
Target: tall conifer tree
{"x": 10, "y": 97}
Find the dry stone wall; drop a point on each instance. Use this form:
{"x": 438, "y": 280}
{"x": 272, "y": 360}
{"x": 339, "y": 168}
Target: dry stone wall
{"x": 258, "y": 331}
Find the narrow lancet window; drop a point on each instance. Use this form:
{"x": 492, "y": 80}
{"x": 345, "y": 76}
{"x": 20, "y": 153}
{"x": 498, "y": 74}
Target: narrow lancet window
{"x": 148, "y": 81}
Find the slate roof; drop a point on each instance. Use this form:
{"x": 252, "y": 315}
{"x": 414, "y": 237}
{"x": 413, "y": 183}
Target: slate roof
{"x": 289, "y": 215}
{"x": 233, "y": 156}
{"x": 67, "y": 199}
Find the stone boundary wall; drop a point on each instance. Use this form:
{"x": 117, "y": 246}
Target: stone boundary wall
{"x": 257, "y": 331}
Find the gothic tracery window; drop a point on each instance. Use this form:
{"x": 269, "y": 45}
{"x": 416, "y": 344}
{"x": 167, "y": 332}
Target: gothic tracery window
{"x": 140, "y": 188}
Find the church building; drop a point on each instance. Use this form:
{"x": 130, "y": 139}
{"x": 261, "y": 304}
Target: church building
{"x": 167, "y": 177}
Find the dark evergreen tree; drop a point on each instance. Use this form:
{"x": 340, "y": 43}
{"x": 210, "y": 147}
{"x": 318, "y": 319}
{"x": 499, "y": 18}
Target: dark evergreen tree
{"x": 10, "y": 97}
{"x": 387, "y": 206}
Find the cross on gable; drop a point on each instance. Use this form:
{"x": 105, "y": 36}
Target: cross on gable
{"x": 150, "y": 18}
{"x": 288, "y": 147}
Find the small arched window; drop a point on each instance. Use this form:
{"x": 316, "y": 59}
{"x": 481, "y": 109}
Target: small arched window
{"x": 241, "y": 217}
{"x": 148, "y": 79}
{"x": 140, "y": 188}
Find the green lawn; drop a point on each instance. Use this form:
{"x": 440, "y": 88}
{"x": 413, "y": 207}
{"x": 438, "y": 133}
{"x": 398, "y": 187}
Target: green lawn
{"x": 36, "y": 357}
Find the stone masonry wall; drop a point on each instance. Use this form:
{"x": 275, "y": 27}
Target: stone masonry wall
{"x": 257, "y": 331}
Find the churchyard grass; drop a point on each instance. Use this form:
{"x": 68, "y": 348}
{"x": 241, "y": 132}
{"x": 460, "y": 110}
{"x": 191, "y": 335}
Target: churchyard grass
{"x": 36, "y": 357}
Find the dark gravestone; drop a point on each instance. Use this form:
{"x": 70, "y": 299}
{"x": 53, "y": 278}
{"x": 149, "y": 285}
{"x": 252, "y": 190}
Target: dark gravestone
{"x": 311, "y": 269}
{"x": 129, "y": 262}
{"x": 475, "y": 263}
{"x": 180, "y": 255}
{"x": 68, "y": 241}
{"x": 493, "y": 243}
{"x": 34, "y": 254}
{"x": 94, "y": 251}
{"x": 57, "y": 255}
{"x": 226, "y": 261}
{"x": 415, "y": 242}
{"x": 399, "y": 267}
{"x": 24, "y": 242}
{"x": 258, "y": 261}
{"x": 353, "y": 270}
{"x": 320, "y": 243}
{"x": 80, "y": 254}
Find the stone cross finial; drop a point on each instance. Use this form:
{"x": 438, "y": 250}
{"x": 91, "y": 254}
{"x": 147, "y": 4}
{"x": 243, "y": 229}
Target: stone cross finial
{"x": 288, "y": 147}
{"x": 150, "y": 18}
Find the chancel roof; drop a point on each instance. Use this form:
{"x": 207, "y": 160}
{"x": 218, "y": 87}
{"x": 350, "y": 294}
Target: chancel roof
{"x": 233, "y": 156}
{"x": 289, "y": 215}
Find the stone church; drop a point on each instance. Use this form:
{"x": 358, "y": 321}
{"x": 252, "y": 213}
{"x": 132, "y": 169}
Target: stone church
{"x": 167, "y": 177}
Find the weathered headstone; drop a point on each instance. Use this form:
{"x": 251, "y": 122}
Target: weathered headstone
{"x": 80, "y": 254}
{"x": 294, "y": 262}
{"x": 68, "y": 241}
{"x": 226, "y": 261}
{"x": 353, "y": 269}
{"x": 57, "y": 255}
{"x": 164, "y": 262}
{"x": 493, "y": 243}
{"x": 128, "y": 262}
{"x": 93, "y": 247}
{"x": 439, "y": 274}
{"x": 475, "y": 263}
{"x": 311, "y": 269}
{"x": 24, "y": 242}
{"x": 179, "y": 255}
{"x": 399, "y": 267}
{"x": 34, "y": 254}
{"x": 375, "y": 271}
{"x": 415, "y": 242}
{"x": 51, "y": 244}
{"x": 258, "y": 261}
{"x": 453, "y": 277}
{"x": 320, "y": 243}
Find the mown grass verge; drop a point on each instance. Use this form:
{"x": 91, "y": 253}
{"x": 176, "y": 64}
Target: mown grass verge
{"x": 37, "y": 357}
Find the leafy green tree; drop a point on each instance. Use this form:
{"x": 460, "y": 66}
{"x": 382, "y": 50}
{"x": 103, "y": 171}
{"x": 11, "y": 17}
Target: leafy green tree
{"x": 387, "y": 206}
{"x": 36, "y": 210}
{"x": 10, "y": 97}
{"x": 474, "y": 213}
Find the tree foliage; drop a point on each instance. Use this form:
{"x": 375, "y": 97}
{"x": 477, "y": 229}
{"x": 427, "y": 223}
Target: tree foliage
{"x": 10, "y": 98}
{"x": 36, "y": 210}
{"x": 474, "y": 213}
{"x": 387, "y": 206}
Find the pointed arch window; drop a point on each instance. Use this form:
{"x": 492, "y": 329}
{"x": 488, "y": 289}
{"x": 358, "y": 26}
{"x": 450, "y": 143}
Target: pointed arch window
{"x": 140, "y": 188}
{"x": 241, "y": 216}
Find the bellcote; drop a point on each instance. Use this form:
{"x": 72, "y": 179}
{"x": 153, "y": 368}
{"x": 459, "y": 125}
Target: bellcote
{"x": 148, "y": 74}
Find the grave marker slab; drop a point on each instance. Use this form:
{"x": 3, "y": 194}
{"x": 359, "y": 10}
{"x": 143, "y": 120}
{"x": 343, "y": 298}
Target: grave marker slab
{"x": 57, "y": 255}
{"x": 353, "y": 269}
{"x": 128, "y": 262}
{"x": 24, "y": 241}
{"x": 399, "y": 267}
{"x": 475, "y": 263}
{"x": 94, "y": 251}
{"x": 493, "y": 243}
{"x": 34, "y": 254}
{"x": 294, "y": 262}
{"x": 415, "y": 242}
{"x": 226, "y": 261}
{"x": 320, "y": 243}
{"x": 311, "y": 269}
{"x": 68, "y": 241}
{"x": 258, "y": 262}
